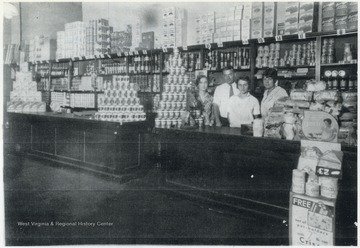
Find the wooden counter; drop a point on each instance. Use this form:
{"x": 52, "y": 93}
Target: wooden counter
{"x": 105, "y": 147}
{"x": 245, "y": 173}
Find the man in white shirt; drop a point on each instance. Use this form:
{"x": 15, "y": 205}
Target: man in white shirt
{"x": 243, "y": 107}
{"x": 222, "y": 95}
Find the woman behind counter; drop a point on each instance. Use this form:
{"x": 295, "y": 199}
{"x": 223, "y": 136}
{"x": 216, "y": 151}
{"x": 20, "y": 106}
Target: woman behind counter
{"x": 205, "y": 100}
{"x": 272, "y": 91}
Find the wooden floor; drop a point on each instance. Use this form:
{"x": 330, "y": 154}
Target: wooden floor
{"x": 140, "y": 212}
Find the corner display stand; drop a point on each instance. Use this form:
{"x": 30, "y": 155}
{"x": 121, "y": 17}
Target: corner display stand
{"x": 312, "y": 219}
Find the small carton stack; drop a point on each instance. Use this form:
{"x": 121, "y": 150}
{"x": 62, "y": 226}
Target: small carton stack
{"x": 205, "y": 28}
{"x": 42, "y": 48}
{"x": 292, "y": 18}
{"x": 97, "y": 37}
{"x": 75, "y": 39}
{"x": 121, "y": 41}
{"x": 60, "y": 50}
{"x": 328, "y": 16}
{"x": 269, "y": 19}
{"x": 257, "y": 20}
{"x": 307, "y": 17}
{"x": 24, "y": 97}
{"x": 136, "y": 33}
{"x": 174, "y": 27}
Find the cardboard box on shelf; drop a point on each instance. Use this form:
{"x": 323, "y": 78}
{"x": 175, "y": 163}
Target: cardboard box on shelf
{"x": 268, "y": 33}
{"x": 247, "y": 10}
{"x": 292, "y": 8}
{"x": 269, "y": 23}
{"x": 257, "y": 24}
{"x": 257, "y": 9}
{"x": 291, "y": 29}
{"x": 269, "y": 9}
{"x": 306, "y": 27}
{"x": 245, "y": 29}
{"x": 256, "y": 34}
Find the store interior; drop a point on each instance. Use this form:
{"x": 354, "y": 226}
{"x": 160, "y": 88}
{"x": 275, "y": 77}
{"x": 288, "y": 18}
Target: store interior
{"x": 108, "y": 134}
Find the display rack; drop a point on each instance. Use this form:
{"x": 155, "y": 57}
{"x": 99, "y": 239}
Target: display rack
{"x": 204, "y": 49}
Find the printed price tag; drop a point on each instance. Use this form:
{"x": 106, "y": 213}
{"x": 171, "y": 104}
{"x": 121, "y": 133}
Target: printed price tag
{"x": 56, "y": 60}
{"x": 245, "y": 42}
{"x": 261, "y": 40}
{"x": 278, "y": 38}
{"x": 185, "y": 48}
{"x": 302, "y": 36}
{"x": 165, "y": 50}
{"x": 220, "y": 44}
{"x": 340, "y": 31}
{"x": 328, "y": 172}
{"x": 208, "y": 46}
{"x": 144, "y": 52}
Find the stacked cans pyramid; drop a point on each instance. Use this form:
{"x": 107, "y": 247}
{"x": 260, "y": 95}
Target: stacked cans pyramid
{"x": 120, "y": 102}
{"x": 173, "y": 98}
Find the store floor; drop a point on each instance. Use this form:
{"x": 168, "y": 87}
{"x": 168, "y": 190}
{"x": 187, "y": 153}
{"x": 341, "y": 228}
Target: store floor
{"x": 138, "y": 212}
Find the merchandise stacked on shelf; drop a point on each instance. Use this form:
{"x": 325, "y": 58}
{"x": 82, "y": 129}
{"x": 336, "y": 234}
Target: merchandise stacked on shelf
{"x": 146, "y": 83}
{"x": 173, "y": 100}
{"x": 262, "y": 20}
{"x": 136, "y": 33}
{"x": 190, "y": 62}
{"x": 340, "y": 80}
{"x": 328, "y": 53}
{"x": 239, "y": 59}
{"x": 120, "y": 42}
{"x": 59, "y": 100}
{"x": 42, "y": 74}
{"x": 71, "y": 100}
{"x": 174, "y": 27}
{"x": 98, "y": 37}
{"x": 339, "y": 15}
{"x": 42, "y": 48}
{"x": 341, "y": 105}
{"x": 120, "y": 102}
{"x": 59, "y": 76}
{"x": 300, "y": 18}
{"x": 109, "y": 67}
{"x": 11, "y": 53}
{"x": 24, "y": 97}
{"x": 205, "y": 28}
{"x": 300, "y": 55}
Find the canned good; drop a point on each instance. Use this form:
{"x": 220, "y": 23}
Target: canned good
{"x": 170, "y": 97}
{"x": 183, "y": 105}
{"x": 162, "y": 123}
{"x": 165, "y": 97}
{"x": 168, "y": 123}
{"x": 330, "y": 59}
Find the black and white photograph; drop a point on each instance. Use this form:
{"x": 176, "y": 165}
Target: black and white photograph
{"x": 180, "y": 123}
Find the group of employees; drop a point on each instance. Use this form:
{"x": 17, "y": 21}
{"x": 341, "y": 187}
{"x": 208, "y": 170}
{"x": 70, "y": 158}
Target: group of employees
{"x": 232, "y": 105}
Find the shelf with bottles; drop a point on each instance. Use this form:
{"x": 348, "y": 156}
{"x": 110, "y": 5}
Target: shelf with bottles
{"x": 146, "y": 83}
{"x": 343, "y": 80}
{"x": 60, "y": 69}
{"x": 42, "y": 70}
{"x": 295, "y": 54}
{"x": 112, "y": 66}
{"x": 236, "y": 57}
{"x": 187, "y": 62}
{"x": 84, "y": 68}
{"x": 144, "y": 64}
{"x": 339, "y": 50}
